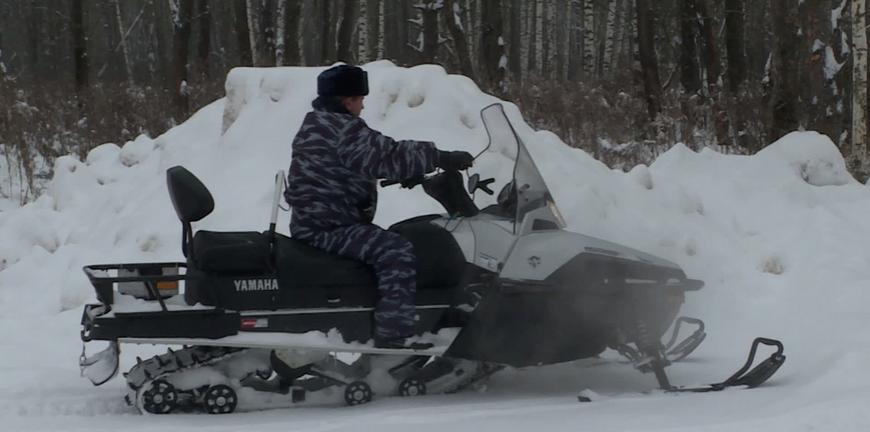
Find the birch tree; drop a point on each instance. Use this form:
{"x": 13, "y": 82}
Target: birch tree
{"x": 121, "y": 33}
{"x": 428, "y": 39}
{"x": 253, "y": 15}
{"x": 609, "y": 35}
{"x": 531, "y": 64}
{"x": 280, "y": 32}
{"x": 589, "y": 37}
{"x": 381, "y": 28}
{"x": 539, "y": 36}
{"x": 859, "y": 86}
{"x": 492, "y": 45}
{"x": 362, "y": 33}
{"x": 515, "y": 45}
{"x": 551, "y": 50}
{"x": 567, "y": 40}
{"x": 451, "y": 16}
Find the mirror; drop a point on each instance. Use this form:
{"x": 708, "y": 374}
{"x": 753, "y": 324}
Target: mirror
{"x": 475, "y": 183}
{"x": 472, "y": 182}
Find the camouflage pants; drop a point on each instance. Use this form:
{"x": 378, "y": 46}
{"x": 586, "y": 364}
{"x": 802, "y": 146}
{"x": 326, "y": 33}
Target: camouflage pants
{"x": 395, "y": 265}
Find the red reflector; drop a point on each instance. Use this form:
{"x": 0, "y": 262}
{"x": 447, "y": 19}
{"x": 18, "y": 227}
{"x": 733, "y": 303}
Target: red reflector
{"x": 251, "y": 323}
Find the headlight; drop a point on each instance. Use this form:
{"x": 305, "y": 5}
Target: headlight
{"x": 555, "y": 210}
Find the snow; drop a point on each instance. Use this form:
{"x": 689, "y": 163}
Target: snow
{"x": 780, "y": 239}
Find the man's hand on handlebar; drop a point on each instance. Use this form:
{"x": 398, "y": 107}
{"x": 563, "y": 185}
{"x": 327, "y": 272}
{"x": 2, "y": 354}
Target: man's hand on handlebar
{"x": 454, "y": 160}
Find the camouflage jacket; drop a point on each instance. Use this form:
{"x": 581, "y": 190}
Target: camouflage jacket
{"x": 337, "y": 160}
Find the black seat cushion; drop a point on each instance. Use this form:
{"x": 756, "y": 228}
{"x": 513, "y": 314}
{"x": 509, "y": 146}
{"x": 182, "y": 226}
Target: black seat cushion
{"x": 229, "y": 252}
{"x": 301, "y": 265}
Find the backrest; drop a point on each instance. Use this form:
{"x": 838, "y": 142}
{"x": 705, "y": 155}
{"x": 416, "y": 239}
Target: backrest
{"x": 191, "y": 199}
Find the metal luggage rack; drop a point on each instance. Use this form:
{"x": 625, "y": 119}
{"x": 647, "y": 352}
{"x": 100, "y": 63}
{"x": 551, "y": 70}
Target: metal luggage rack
{"x": 155, "y": 277}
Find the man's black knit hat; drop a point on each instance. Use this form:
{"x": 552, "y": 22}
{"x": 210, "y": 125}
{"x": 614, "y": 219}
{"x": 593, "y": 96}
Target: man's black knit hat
{"x": 343, "y": 80}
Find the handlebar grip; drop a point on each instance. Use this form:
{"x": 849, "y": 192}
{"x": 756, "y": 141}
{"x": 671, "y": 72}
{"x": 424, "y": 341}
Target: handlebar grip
{"x": 385, "y": 183}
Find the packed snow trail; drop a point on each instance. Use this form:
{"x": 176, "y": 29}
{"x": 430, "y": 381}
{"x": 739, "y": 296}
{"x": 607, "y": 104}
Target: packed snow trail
{"x": 779, "y": 238}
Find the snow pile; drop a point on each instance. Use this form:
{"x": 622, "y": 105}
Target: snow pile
{"x": 779, "y": 237}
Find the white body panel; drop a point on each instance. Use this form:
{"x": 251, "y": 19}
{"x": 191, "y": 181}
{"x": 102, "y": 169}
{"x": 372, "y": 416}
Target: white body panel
{"x": 539, "y": 254}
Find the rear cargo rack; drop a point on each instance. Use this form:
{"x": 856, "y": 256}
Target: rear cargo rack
{"x": 149, "y": 274}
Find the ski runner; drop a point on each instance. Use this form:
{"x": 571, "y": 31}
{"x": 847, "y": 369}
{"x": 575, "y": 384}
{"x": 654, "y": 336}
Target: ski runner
{"x": 337, "y": 160}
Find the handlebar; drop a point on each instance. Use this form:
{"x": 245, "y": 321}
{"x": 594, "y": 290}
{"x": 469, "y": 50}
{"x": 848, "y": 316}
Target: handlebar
{"x": 407, "y": 183}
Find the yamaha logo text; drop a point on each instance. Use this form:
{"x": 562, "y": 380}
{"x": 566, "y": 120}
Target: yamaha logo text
{"x": 245, "y": 285}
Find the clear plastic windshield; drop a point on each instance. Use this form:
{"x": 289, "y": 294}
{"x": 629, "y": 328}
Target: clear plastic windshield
{"x": 518, "y": 184}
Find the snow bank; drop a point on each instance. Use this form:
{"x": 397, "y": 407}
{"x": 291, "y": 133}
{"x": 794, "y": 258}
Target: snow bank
{"x": 779, "y": 237}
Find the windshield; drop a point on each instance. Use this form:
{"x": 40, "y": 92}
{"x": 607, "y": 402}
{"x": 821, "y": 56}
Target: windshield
{"x": 519, "y": 186}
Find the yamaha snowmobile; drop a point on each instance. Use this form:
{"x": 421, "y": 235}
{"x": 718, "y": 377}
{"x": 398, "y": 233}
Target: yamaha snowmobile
{"x": 263, "y": 320}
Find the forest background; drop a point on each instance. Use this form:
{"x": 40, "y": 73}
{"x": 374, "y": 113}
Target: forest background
{"x": 622, "y": 79}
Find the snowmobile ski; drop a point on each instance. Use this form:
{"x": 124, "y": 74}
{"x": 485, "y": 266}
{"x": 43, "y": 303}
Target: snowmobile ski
{"x": 744, "y": 376}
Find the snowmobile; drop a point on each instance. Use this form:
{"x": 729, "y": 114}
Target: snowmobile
{"x": 263, "y": 320}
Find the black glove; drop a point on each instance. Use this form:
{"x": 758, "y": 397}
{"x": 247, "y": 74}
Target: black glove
{"x": 454, "y": 160}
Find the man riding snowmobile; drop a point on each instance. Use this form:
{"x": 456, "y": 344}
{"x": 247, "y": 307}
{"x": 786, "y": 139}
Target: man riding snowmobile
{"x": 337, "y": 160}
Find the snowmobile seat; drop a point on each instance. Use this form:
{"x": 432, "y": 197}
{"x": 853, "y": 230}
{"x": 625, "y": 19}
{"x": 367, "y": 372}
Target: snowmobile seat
{"x": 300, "y": 265}
{"x": 229, "y": 252}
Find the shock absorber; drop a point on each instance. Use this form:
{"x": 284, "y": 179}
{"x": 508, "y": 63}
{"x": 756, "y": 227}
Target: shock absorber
{"x": 654, "y": 358}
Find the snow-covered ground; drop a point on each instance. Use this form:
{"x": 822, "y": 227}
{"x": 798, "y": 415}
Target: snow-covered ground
{"x": 780, "y": 239}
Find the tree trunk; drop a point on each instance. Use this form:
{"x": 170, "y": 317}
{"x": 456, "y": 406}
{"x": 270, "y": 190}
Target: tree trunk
{"x": 711, "y": 61}
{"x": 589, "y": 38}
{"x": 734, "y": 44}
{"x": 816, "y": 98}
{"x": 690, "y": 76}
{"x": 567, "y": 41}
{"x": 648, "y": 62}
{"x": 494, "y": 61}
{"x": 292, "y": 36}
{"x": 267, "y": 29}
{"x": 180, "y": 47}
{"x": 532, "y": 63}
{"x": 327, "y": 43}
{"x": 373, "y": 30}
{"x": 253, "y": 14}
{"x": 451, "y": 14}
{"x": 539, "y": 37}
{"x": 204, "y": 40}
{"x": 858, "y": 159}
{"x": 575, "y": 58}
{"x": 609, "y": 36}
{"x": 546, "y": 30}
{"x": 430, "y": 31}
{"x": 362, "y": 33}
{"x": 382, "y": 28}
{"x": 711, "y": 49}
{"x": 783, "y": 70}
{"x": 125, "y": 52}
{"x": 345, "y": 31}
{"x": 281, "y": 33}
{"x": 243, "y": 33}
{"x": 80, "y": 47}
{"x": 515, "y": 45}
